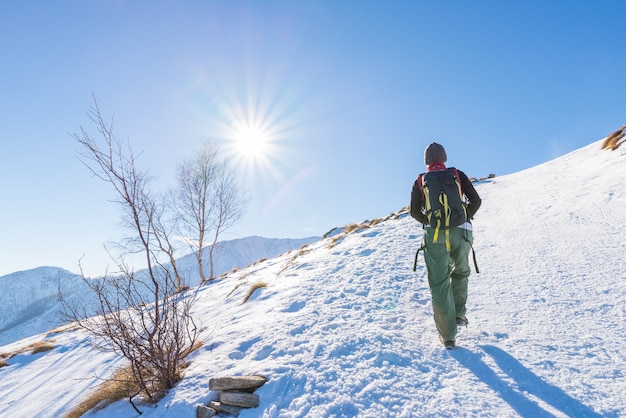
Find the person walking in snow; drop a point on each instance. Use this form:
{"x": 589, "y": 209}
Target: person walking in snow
{"x": 444, "y": 201}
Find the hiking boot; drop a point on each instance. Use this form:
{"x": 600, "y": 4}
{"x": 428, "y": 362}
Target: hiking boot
{"x": 462, "y": 321}
{"x": 449, "y": 344}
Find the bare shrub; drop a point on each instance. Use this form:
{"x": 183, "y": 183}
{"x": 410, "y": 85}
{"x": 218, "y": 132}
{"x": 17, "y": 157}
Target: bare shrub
{"x": 120, "y": 386}
{"x": 143, "y": 316}
{"x": 154, "y": 336}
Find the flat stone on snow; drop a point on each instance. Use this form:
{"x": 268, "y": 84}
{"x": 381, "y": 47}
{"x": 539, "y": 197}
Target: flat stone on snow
{"x": 205, "y": 412}
{"x": 242, "y": 399}
{"x": 245, "y": 383}
{"x": 228, "y": 409}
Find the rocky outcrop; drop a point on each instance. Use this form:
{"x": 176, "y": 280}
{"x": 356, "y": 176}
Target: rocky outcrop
{"x": 236, "y": 394}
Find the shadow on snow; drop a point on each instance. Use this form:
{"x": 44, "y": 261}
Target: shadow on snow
{"x": 526, "y": 383}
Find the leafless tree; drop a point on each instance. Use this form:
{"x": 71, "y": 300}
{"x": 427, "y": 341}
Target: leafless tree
{"x": 144, "y": 316}
{"x": 208, "y": 200}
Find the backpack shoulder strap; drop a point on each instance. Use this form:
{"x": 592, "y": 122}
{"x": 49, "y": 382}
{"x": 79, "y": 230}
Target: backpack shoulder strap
{"x": 420, "y": 180}
{"x": 420, "y": 183}
{"x": 457, "y": 180}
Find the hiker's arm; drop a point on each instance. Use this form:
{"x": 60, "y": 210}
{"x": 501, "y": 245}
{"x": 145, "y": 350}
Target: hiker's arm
{"x": 472, "y": 195}
{"x": 417, "y": 203}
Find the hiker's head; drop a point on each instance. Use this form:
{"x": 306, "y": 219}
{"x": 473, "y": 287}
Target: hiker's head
{"x": 435, "y": 153}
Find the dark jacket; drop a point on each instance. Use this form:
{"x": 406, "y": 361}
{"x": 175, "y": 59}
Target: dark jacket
{"x": 417, "y": 199}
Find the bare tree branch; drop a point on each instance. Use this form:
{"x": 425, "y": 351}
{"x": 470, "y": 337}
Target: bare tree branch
{"x": 208, "y": 200}
{"x": 143, "y": 316}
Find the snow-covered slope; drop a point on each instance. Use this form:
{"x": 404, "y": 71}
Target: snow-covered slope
{"x": 29, "y": 299}
{"x": 241, "y": 252}
{"x": 344, "y": 326}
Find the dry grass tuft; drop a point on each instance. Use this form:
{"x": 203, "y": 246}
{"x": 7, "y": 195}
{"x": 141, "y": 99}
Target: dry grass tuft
{"x": 614, "y": 140}
{"x": 259, "y": 261}
{"x": 375, "y": 222}
{"x": 119, "y": 386}
{"x": 340, "y": 233}
{"x": 193, "y": 348}
{"x": 253, "y": 288}
{"x": 41, "y": 347}
{"x": 306, "y": 248}
{"x": 348, "y": 230}
{"x": 62, "y": 329}
{"x": 243, "y": 280}
{"x": 351, "y": 228}
{"x": 34, "y": 348}
{"x": 334, "y": 240}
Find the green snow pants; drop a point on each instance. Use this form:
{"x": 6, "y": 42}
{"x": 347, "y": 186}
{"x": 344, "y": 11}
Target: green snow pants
{"x": 447, "y": 277}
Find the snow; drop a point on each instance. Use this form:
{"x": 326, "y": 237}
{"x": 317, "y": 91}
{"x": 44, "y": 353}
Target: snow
{"x": 29, "y": 302}
{"x": 344, "y": 326}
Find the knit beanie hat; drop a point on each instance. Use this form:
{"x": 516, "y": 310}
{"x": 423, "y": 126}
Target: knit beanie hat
{"x": 434, "y": 153}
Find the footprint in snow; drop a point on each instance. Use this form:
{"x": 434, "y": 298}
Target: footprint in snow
{"x": 240, "y": 352}
{"x": 371, "y": 234}
{"x": 296, "y": 306}
{"x": 264, "y": 353}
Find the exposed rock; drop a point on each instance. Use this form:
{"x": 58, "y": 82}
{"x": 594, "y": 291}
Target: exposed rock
{"x": 236, "y": 393}
{"x": 242, "y": 399}
{"x": 226, "y": 409}
{"x": 205, "y": 412}
{"x": 238, "y": 383}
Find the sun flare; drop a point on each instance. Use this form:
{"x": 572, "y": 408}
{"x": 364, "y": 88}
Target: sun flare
{"x": 254, "y": 149}
{"x": 252, "y": 143}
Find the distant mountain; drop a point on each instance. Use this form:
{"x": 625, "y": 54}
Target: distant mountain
{"x": 29, "y": 299}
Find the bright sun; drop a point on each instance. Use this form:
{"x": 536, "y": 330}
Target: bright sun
{"x": 252, "y": 143}
{"x": 255, "y": 149}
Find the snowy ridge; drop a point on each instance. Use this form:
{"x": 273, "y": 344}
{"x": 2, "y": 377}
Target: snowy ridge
{"x": 344, "y": 326}
{"x": 29, "y": 300}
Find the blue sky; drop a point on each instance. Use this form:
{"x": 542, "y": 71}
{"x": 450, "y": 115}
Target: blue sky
{"x": 347, "y": 93}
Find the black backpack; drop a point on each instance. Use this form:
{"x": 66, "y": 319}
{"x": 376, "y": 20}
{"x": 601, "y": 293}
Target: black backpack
{"x": 444, "y": 204}
{"x": 443, "y": 199}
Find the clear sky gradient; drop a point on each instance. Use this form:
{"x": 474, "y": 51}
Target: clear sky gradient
{"x": 346, "y": 94}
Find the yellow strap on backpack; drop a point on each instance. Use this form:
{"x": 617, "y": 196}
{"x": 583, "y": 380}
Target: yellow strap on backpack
{"x": 427, "y": 202}
{"x": 443, "y": 199}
